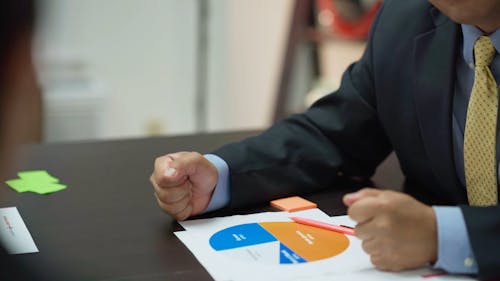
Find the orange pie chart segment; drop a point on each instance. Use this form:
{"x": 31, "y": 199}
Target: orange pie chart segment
{"x": 310, "y": 243}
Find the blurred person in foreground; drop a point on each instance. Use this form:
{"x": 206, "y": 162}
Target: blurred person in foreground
{"x": 19, "y": 102}
{"x": 427, "y": 88}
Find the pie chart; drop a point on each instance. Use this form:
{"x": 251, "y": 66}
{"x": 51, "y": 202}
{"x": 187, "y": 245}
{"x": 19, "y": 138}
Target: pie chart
{"x": 278, "y": 242}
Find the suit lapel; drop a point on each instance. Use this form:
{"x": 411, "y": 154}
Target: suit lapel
{"x": 435, "y": 56}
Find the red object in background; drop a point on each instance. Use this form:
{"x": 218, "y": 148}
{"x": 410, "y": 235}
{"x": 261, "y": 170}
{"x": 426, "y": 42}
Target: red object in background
{"x": 342, "y": 27}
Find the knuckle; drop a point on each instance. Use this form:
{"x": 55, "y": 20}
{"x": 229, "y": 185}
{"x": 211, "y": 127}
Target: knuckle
{"x": 370, "y": 246}
{"x": 155, "y": 181}
{"x": 195, "y": 154}
{"x": 157, "y": 162}
{"x": 158, "y": 178}
{"x": 164, "y": 197}
{"x": 365, "y": 190}
{"x": 395, "y": 268}
{"x": 366, "y": 247}
{"x": 391, "y": 196}
{"x": 388, "y": 260}
{"x": 162, "y": 205}
{"x": 360, "y": 233}
{"x": 392, "y": 261}
{"x": 185, "y": 213}
{"x": 375, "y": 260}
{"x": 179, "y": 154}
{"x": 174, "y": 196}
{"x": 160, "y": 196}
{"x": 354, "y": 213}
{"x": 196, "y": 158}
{"x": 152, "y": 179}
{"x": 380, "y": 263}
{"x": 385, "y": 204}
{"x": 386, "y": 192}
{"x": 166, "y": 182}
{"x": 351, "y": 212}
{"x": 383, "y": 224}
{"x": 175, "y": 209}
{"x": 161, "y": 201}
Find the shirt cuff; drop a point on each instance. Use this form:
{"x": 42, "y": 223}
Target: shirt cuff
{"x": 454, "y": 251}
{"x": 220, "y": 197}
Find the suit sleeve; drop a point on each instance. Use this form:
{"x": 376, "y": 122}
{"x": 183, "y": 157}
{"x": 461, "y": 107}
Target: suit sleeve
{"x": 340, "y": 136}
{"x": 483, "y": 226}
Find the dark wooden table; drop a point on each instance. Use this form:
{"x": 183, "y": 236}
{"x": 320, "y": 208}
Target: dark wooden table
{"x": 106, "y": 224}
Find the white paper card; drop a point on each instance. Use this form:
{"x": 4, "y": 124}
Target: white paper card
{"x": 14, "y": 235}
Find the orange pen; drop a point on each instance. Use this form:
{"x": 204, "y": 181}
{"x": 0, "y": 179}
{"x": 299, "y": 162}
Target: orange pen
{"x": 324, "y": 225}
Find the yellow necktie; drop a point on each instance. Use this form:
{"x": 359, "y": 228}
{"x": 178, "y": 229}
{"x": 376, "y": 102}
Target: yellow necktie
{"x": 480, "y": 129}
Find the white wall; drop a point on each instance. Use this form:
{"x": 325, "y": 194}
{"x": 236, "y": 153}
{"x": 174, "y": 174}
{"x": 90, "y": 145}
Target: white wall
{"x": 143, "y": 54}
{"x": 256, "y": 40}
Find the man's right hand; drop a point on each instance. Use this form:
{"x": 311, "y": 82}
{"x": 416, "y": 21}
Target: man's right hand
{"x": 184, "y": 183}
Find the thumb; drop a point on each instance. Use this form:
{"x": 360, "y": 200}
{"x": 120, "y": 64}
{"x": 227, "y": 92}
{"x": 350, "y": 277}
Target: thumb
{"x": 351, "y": 198}
{"x": 182, "y": 165}
{"x": 173, "y": 177}
{"x": 167, "y": 172}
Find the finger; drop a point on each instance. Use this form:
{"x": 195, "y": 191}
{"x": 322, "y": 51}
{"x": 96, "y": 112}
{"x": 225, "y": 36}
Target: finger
{"x": 172, "y": 169}
{"x": 185, "y": 163}
{"x": 177, "y": 208}
{"x": 184, "y": 214}
{"x": 378, "y": 262}
{"x": 351, "y": 198}
{"x": 165, "y": 173}
{"x": 161, "y": 204}
{"x": 381, "y": 262}
{"x": 377, "y": 226}
{"x": 170, "y": 194}
{"x": 364, "y": 230}
{"x": 168, "y": 177}
{"x": 173, "y": 194}
{"x": 371, "y": 247}
{"x": 364, "y": 209}
{"x": 176, "y": 155}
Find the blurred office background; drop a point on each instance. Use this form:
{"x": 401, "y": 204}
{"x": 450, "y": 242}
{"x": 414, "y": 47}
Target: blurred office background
{"x": 136, "y": 68}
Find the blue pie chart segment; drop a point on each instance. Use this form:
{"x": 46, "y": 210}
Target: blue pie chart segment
{"x": 242, "y": 235}
{"x": 287, "y": 256}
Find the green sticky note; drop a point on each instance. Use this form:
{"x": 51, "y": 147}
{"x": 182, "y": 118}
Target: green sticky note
{"x": 18, "y": 185}
{"x": 37, "y": 176}
{"x": 38, "y": 181}
{"x": 46, "y": 188}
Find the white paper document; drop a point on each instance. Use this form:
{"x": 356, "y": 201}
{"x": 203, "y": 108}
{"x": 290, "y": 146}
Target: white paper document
{"x": 269, "y": 246}
{"x": 14, "y": 235}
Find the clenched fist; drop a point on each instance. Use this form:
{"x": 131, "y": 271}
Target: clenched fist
{"x": 398, "y": 232}
{"x": 184, "y": 183}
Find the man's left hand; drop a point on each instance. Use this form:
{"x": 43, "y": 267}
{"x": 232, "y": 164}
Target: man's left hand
{"x": 398, "y": 232}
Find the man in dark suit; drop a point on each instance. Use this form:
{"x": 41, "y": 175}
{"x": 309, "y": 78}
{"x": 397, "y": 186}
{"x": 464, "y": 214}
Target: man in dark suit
{"x": 409, "y": 93}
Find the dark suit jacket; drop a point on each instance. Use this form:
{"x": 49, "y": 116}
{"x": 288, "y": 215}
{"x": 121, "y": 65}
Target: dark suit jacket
{"x": 397, "y": 97}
